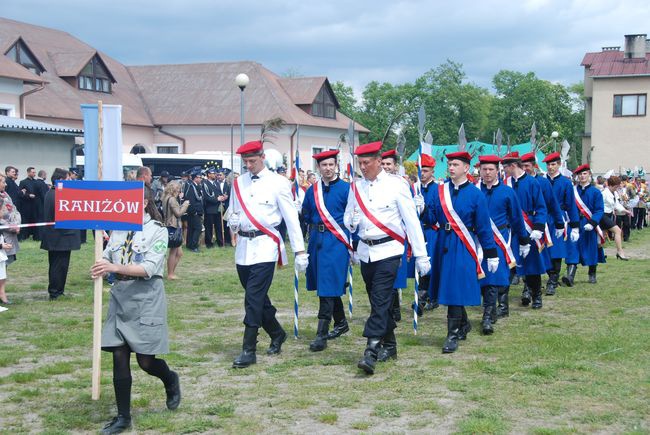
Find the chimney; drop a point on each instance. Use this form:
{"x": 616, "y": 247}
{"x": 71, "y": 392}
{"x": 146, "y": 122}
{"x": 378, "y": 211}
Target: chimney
{"x": 647, "y": 45}
{"x": 635, "y": 46}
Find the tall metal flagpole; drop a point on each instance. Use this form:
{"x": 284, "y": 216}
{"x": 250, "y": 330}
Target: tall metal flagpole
{"x": 295, "y": 197}
{"x": 416, "y": 296}
{"x": 352, "y": 186}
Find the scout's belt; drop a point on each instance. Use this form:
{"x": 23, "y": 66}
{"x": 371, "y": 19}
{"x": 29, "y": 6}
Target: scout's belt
{"x": 321, "y": 228}
{"x": 134, "y": 278}
{"x": 449, "y": 229}
{"x": 378, "y": 241}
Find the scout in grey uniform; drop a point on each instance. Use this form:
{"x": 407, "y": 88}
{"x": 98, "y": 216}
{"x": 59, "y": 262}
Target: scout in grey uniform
{"x": 137, "y": 311}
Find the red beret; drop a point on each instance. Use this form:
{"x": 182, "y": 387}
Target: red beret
{"x": 460, "y": 155}
{"x": 552, "y": 157}
{"x": 389, "y": 153}
{"x": 427, "y": 160}
{"x": 368, "y": 148}
{"x": 253, "y": 147}
{"x": 489, "y": 159}
{"x": 529, "y": 157}
{"x": 582, "y": 168}
{"x": 510, "y": 157}
{"x": 325, "y": 155}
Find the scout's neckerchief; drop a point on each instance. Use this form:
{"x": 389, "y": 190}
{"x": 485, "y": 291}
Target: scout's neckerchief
{"x": 271, "y": 232}
{"x": 584, "y": 210}
{"x": 326, "y": 217}
{"x": 474, "y": 248}
{"x": 389, "y": 232}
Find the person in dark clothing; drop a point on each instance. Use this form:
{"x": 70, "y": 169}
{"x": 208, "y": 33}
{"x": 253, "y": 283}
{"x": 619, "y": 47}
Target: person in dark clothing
{"x": 29, "y": 204}
{"x": 12, "y": 188}
{"x": 42, "y": 189}
{"x": 57, "y": 243}
{"x": 210, "y": 208}
{"x": 194, "y": 194}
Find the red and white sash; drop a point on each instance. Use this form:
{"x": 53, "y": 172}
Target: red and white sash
{"x": 389, "y": 232}
{"x": 584, "y": 210}
{"x": 473, "y": 247}
{"x": 504, "y": 245}
{"x": 271, "y": 232}
{"x": 327, "y": 218}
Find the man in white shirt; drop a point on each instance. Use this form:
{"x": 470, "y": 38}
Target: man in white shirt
{"x": 381, "y": 210}
{"x": 259, "y": 200}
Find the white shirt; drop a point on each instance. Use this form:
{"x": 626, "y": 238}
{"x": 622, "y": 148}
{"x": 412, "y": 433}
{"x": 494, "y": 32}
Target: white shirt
{"x": 389, "y": 200}
{"x": 269, "y": 200}
{"x": 612, "y": 202}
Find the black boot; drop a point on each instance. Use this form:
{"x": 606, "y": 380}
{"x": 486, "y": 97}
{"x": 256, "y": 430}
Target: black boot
{"x": 552, "y": 284}
{"x": 367, "y": 363}
{"x": 453, "y": 331}
{"x": 537, "y": 297}
{"x": 320, "y": 343}
{"x": 278, "y": 336}
{"x": 465, "y": 326}
{"x": 504, "y": 307}
{"x": 117, "y": 425}
{"x": 592, "y": 274}
{"x": 525, "y": 295}
{"x": 340, "y": 328}
{"x": 570, "y": 275}
{"x": 396, "y": 312}
{"x": 247, "y": 357}
{"x": 173, "y": 391}
{"x": 486, "y": 323}
{"x": 388, "y": 348}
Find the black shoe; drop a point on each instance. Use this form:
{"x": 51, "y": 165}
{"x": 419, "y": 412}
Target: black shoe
{"x": 453, "y": 330}
{"x": 247, "y": 357}
{"x": 367, "y": 363}
{"x": 465, "y": 328}
{"x": 525, "y": 296}
{"x": 620, "y": 257}
{"x": 431, "y": 305}
{"x": 503, "y": 310}
{"x": 486, "y": 323}
{"x": 388, "y": 348}
{"x": 339, "y": 329}
{"x": 570, "y": 275}
{"x": 537, "y": 300}
{"x": 174, "y": 393}
{"x": 552, "y": 284}
{"x": 117, "y": 425}
{"x": 592, "y": 279}
{"x": 276, "y": 344}
{"x": 320, "y": 343}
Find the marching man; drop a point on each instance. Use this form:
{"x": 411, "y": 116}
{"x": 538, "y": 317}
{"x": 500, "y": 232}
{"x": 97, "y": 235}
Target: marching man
{"x": 259, "y": 200}
{"x": 329, "y": 247}
{"x": 381, "y": 209}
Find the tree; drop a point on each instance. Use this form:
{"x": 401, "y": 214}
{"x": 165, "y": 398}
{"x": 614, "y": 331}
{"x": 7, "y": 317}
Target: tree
{"x": 345, "y": 96}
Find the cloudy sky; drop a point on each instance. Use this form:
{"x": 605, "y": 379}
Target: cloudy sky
{"x": 355, "y": 41}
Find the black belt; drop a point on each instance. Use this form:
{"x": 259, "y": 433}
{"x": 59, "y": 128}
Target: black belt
{"x": 449, "y": 229}
{"x": 250, "y": 234}
{"x": 377, "y": 241}
{"x": 321, "y": 228}
{"x": 503, "y": 227}
{"x": 130, "y": 278}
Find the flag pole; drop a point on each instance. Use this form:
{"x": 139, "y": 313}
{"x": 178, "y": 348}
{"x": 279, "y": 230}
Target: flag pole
{"x": 98, "y": 281}
{"x": 351, "y": 174}
{"x": 296, "y": 186}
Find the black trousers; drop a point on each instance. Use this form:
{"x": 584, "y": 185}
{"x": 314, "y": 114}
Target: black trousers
{"x": 59, "y": 262}
{"x": 639, "y": 218}
{"x": 193, "y": 231}
{"x": 210, "y": 224}
{"x": 379, "y": 277}
{"x": 624, "y": 223}
{"x": 331, "y": 307}
{"x": 490, "y": 293}
{"x": 256, "y": 280}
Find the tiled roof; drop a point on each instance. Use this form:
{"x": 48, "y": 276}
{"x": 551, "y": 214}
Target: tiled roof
{"x": 614, "y": 63}
{"x": 303, "y": 90}
{"x": 12, "y": 70}
{"x": 10, "y": 123}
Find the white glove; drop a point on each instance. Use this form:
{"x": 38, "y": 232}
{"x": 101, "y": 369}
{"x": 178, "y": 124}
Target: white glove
{"x": 536, "y": 235}
{"x": 524, "y": 250}
{"x": 493, "y": 263}
{"x": 575, "y": 234}
{"x": 423, "y": 265}
{"x": 233, "y": 222}
{"x": 356, "y": 220}
{"x": 301, "y": 263}
{"x": 588, "y": 227}
{"x": 559, "y": 233}
{"x": 419, "y": 202}
{"x": 355, "y": 259}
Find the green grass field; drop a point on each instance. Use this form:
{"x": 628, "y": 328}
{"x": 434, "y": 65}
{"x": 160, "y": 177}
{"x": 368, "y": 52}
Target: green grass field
{"x": 579, "y": 365}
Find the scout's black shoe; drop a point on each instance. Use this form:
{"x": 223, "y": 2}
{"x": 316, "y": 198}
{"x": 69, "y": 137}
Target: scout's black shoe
{"x": 320, "y": 343}
{"x": 247, "y": 357}
{"x": 537, "y": 300}
{"x": 117, "y": 425}
{"x": 525, "y": 296}
{"x": 388, "y": 348}
{"x": 486, "y": 323}
{"x": 173, "y": 393}
{"x": 340, "y": 328}
{"x": 453, "y": 331}
{"x": 552, "y": 284}
{"x": 276, "y": 343}
{"x": 367, "y": 363}
{"x": 503, "y": 309}
{"x": 592, "y": 275}
{"x": 570, "y": 275}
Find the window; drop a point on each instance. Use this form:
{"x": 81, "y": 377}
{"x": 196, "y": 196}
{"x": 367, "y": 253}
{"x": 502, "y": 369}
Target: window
{"x": 94, "y": 77}
{"x": 20, "y": 53}
{"x": 630, "y": 105}
{"x": 167, "y": 149}
{"x": 323, "y": 105}
{"x": 4, "y": 112}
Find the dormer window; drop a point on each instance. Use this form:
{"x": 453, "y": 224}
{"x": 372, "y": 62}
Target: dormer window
{"x": 95, "y": 77}
{"x": 20, "y": 53}
{"x": 324, "y": 105}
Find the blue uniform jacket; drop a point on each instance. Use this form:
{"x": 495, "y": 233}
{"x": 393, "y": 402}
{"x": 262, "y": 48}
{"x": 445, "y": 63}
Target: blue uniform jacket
{"x": 590, "y": 252}
{"x": 563, "y": 191}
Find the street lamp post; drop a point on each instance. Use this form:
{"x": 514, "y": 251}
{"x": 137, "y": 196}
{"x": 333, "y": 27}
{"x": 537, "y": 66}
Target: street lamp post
{"x": 554, "y": 136}
{"x": 241, "y": 81}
